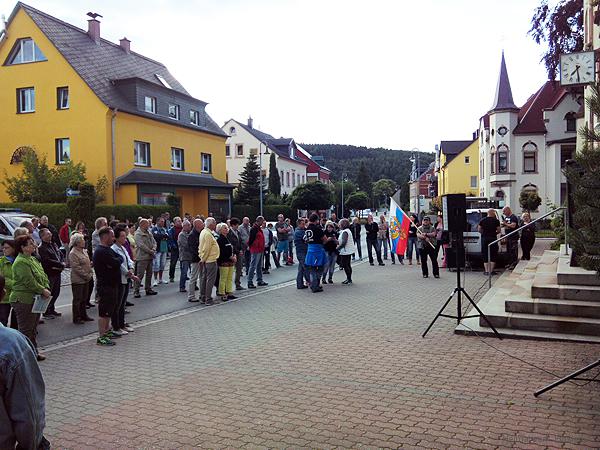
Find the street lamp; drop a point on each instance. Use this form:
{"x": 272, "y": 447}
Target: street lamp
{"x": 344, "y": 178}
{"x": 260, "y": 153}
{"x": 415, "y": 158}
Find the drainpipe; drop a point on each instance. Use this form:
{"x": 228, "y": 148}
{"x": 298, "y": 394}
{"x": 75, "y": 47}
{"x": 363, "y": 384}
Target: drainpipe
{"x": 113, "y": 144}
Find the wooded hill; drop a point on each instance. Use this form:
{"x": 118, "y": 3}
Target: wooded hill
{"x": 382, "y": 162}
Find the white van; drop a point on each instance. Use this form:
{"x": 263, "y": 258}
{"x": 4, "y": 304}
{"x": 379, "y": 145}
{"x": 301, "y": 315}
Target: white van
{"x": 472, "y": 237}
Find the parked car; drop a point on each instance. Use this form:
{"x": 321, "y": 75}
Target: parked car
{"x": 10, "y": 219}
{"x": 472, "y": 238}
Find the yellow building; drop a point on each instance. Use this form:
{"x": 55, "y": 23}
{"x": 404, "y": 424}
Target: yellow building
{"x": 458, "y": 168}
{"x": 68, "y": 94}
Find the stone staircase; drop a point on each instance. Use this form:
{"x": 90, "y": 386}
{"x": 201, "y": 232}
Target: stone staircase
{"x": 543, "y": 298}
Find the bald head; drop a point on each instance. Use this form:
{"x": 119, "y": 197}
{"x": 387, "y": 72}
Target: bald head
{"x": 198, "y": 224}
{"x": 507, "y": 211}
{"x": 491, "y": 213}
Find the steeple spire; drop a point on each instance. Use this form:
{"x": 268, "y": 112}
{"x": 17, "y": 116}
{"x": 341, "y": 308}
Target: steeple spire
{"x": 503, "y": 101}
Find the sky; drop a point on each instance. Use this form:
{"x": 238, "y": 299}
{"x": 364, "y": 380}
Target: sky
{"x": 398, "y": 74}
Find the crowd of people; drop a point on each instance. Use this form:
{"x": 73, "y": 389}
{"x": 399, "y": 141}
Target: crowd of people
{"x": 121, "y": 256}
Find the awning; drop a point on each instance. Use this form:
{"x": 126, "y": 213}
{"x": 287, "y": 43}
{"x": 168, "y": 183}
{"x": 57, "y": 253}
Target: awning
{"x": 166, "y": 178}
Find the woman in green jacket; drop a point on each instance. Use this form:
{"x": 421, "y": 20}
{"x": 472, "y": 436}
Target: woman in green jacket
{"x": 6, "y": 262}
{"x": 29, "y": 280}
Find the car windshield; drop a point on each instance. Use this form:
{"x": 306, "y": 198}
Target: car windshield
{"x": 473, "y": 219}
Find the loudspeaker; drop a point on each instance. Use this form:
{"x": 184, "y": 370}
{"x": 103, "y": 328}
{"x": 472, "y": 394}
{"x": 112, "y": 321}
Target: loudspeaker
{"x": 454, "y": 210}
{"x": 455, "y": 257}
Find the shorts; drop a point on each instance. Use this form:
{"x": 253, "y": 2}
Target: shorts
{"x": 108, "y": 300}
{"x": 159, "y": 262}
{"x": 493, "y": 250}
{"x": 282, "y": 246}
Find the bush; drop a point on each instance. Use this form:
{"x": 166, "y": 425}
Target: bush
{"x": 56, "y": 212}
{"x": 240, "y": 211}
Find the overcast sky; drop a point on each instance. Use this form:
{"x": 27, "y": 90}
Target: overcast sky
{"x": 392, "y": 73}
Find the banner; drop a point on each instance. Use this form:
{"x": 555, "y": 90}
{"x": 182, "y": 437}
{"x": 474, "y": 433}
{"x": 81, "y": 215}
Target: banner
{"x": 399, "y": 224}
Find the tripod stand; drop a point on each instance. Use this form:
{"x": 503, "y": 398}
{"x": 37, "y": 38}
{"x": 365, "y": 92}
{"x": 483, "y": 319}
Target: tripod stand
{"x": 570, "y": 377}
{"x": 459, "y": 291}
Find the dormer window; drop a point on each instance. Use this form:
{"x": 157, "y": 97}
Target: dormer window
{"x": 173, "y": 111}
{"x": 232, "y": 131}
{"x": 150, "y": 104}
{"x": 571, "y": 122}
{"x": 194, "y": 117}
{"x": 162, "y": 81}
{"x": 25, "y": 51}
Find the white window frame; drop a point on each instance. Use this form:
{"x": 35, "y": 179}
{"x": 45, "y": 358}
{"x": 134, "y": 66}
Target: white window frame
{"x": 194, "y": 117}
{"x": 467, "y": 160}
{"x": 62, "y": 98}
{"x": 203, "y": 168}
{"x": 174, "y": 159}
{"x": 237, "y": 149}
{"x": 174, "y": 111}
{"x": 26, "y": 100}
{"x": 140, "y": 149}
{"x": 19, "y": 50}
{"x": 59, "y": 145}
{"x": 473, "y": 181}
{"x": 150, "y": 108}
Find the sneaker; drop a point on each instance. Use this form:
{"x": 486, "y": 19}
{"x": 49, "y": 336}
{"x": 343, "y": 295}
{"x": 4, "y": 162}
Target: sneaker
{"x": 151, "y": 292}
{"x": 48, "y": 316}
{"x": 118, "y": 333}
{"x": 425, "y": 276}
{"x": 124, "y": 331}
{"x": 182, "y": 290}
{"x": 436, "y": 276}
{"x": 110, "y": 334}
{"x": 193, "y": 300}
{"x": 154, "y": 283}
{"x": 56, "y": 314}
{"x": 347, "y": 282}
{"x": 103, "y": 340}
{"x": 138, "y": 295}
{"x": 128, "y": 328}
{"x": 164, "y": 282}
{"x": 262, "y": 283}
{"x": 171, "y": 280}
{"x": 330, "y": 281}
{"x": 372, "y": 264}
{"x": 324, "y": 281}
{"x": 319, "y": 289}
{"x": 129, "y": 304}
{"x": 251, "y": 286}
{"x": 231, "y": 297}
{"x": 240, "y": 288}
{"x": 266, "y": 272}
{"x": 382, "y": 264}
{"x": 223, "y": 298}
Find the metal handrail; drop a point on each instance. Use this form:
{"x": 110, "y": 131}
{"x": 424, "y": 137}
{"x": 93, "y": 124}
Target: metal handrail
{"x": 516, "y": 230}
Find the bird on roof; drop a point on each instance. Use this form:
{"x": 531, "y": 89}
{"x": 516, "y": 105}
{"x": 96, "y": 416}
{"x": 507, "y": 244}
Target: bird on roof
{"x": 93, "y": 15}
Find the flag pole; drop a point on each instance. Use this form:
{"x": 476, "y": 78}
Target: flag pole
{"x": 411, "y": 221}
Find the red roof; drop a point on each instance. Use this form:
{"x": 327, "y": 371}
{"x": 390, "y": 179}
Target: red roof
{"x": 531, "y": 114}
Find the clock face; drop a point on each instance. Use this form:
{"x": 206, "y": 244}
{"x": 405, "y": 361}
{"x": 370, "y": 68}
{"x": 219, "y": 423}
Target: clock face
{"x": 577, "y": 68}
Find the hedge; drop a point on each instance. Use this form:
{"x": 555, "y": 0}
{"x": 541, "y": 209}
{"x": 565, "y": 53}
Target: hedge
{"x": 57, "y": 212}
{"x": 270, "y": 212}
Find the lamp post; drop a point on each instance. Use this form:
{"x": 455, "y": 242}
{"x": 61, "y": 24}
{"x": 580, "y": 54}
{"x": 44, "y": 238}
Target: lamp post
{"x": 260, "y": 153}
{"x": 343, "y": 181}
{"x": 415, "y": 158}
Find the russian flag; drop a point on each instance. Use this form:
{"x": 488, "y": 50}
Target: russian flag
{"x": 399, "y": 224}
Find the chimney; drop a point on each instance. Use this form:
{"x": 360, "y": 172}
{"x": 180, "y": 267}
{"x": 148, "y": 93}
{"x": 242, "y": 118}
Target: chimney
{"x": 94, "y": 30}
{"x": 250, "y": 121}
{"x": 125, "y": 45}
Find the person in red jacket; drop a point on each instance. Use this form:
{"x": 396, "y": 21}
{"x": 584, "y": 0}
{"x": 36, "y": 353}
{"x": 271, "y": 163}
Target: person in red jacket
{"x": 256, "y": 244}
{"x": 64, "y": 233}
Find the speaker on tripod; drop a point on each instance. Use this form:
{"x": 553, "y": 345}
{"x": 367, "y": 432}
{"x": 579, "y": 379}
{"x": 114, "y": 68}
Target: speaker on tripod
{"x": 454, "y": 210}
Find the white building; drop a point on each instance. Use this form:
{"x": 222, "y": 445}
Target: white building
{"x": 244, "y": 140}
{"x": 525, "y": 148}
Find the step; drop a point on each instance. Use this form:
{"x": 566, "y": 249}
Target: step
{"x": 547, "y": 286}
{"x": 471, "y": 327}
{"x": 567, "y": 275}
{"x": 553, "y": 307}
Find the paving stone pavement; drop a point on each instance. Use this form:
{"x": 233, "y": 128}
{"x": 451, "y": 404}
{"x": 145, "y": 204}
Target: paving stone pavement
{"x": 346, "y": 368}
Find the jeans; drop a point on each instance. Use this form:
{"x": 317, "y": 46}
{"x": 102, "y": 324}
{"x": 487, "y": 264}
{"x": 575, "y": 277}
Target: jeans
{"x": 183, "y": 276}
{"x": 303, "y": 273}
{"x": 173, "y": 263}
{"x": 330, "y": 266}
{"x": 426, "y": 251}
{"x": 345, "y": 260}
{"x": 386, "y": 244}
{"x": 255, "y": 266}
{"x": 358, "y": 245}
{"x": 207, "y": 281}
{"x": 412, "y": 243}
{"x": 54, "y": 292}
{"x": 118, "y": 316}
{"x": 372, "y": 244}
{"x": 315, "y": 272}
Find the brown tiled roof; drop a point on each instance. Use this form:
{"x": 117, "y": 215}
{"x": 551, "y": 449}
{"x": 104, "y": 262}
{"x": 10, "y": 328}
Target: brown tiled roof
{"x": 531, "y": 114}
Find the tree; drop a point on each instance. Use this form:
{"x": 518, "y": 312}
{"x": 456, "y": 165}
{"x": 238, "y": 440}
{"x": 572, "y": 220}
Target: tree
{"x": 39, "y": 183}
{"x": 358, "y": 201}
{"x": 560, "y": 28}
{"x": 383, "y": 189}
{"x": 530, "y": 201}
{"x": 248, "y": 192}
{"x": 349, "y": 188}
{"x": 584, "y": 179}
{"x": 364, "y": 179}
{"x": 312, "y": 196}
{"x": 405, "y": 196}
{"x": 82, "y": 206}
{"x": 274, "y": 179}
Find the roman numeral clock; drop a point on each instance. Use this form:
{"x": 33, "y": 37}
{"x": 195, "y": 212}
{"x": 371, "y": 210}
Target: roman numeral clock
{"x": 577, "y": 68}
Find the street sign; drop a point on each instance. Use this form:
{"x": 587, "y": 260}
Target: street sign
{"x": 72, "y": 193}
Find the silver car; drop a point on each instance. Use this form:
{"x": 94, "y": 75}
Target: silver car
{"x": 9, "y": 221}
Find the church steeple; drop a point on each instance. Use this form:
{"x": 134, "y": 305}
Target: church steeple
{"x": 503, "y": 101}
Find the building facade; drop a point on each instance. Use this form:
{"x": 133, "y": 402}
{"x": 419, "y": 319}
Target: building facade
{"x": 525, "y": 148}
{"x": 70, "y": 95}
{"x": 458, "y": 168}
{"x": 245, "y": 140}
{"x": 422, "y": 189}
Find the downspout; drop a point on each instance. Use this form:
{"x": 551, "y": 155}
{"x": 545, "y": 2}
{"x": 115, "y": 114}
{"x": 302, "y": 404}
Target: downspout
{"x": 113, "y": 144}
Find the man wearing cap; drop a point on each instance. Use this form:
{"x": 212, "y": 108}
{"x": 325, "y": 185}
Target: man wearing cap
{"x": 427, "y": 242}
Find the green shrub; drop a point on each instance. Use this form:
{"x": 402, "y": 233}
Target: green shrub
{"x": 272, "y": 211}
{"x": 56, "y": 212}
{"x": 132, "y": 212}
{"x": 240, "y": 211}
